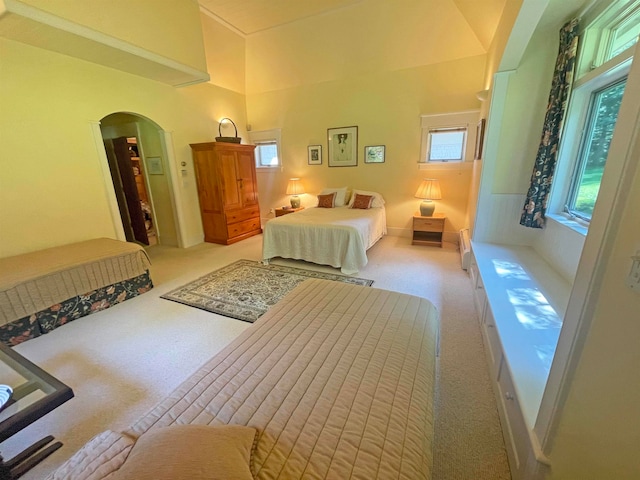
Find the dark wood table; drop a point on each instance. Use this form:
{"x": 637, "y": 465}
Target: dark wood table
{"x": 35, "y": 393}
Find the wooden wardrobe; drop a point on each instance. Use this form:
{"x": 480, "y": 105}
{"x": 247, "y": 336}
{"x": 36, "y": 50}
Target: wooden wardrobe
{"x": 228, "y": 191}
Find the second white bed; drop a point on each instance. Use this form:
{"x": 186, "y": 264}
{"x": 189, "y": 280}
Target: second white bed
{"x": 339, "y": 237}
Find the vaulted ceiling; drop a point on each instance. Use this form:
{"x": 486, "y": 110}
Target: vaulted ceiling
{"x": 251, "y": 16}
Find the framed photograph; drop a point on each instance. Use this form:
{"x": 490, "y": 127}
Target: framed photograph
{"x": 374, "y": 154}
{"x": 154, "y": 166}
{"x": 315, "y": 154}
{"x": 479, "y": 139}
{"x": 343, "y": 146}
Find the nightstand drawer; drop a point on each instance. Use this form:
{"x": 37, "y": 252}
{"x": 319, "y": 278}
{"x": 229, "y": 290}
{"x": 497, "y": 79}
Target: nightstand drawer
{"x": 428, "y": 224}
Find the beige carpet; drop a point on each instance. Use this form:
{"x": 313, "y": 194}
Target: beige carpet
{"x": 121, "y": 361}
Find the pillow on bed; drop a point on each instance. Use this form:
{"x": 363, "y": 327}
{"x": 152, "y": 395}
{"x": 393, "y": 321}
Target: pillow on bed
{"x": 378, "y": 201}
{"x": 341, "y": 194}
{"x": 190, "y": 451}
{"x": 327, "y": 201}
{"x": 362, "y": 201}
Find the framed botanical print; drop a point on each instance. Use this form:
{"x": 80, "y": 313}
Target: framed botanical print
{"x": 314, "y": 154}
{"x": 343, "y": 146}
{"x": 374, "y": 154}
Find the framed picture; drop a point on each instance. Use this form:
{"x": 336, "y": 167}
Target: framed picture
{"x": 479, "y": 139}
{"x": 343, "y": 146}
{"x": 154, "y": 166}
{"x": 374, "y": 154}
{"x": 315, "y": 154}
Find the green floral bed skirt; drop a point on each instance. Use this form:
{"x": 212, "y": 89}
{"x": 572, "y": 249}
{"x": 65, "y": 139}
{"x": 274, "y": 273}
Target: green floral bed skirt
{"x": 56, "y": 315}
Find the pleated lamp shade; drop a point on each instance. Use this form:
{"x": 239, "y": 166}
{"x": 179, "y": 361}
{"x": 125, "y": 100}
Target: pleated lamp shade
{"x": 428, "y": 190}
{"x": 294, "y": 187}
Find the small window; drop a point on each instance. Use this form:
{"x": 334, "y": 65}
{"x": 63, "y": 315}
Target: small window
{"x": 267, "y": 154}
{"x": 267, "y": 150}
{"x": 446, "y": 144}
{"x": 446, "y": 138}
{"x": 599, "y": 126}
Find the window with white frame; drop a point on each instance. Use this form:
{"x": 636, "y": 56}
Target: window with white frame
{"x": 446, "y": 144}
{"x": 603, "y": 64}
{"x": 267, "y": 150}
{"x": 446, "y": 137}
{"x": 600, "y": 122}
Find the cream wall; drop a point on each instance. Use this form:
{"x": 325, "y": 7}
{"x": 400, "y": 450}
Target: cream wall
{"x": 165, "y": 27}
{"x": 367, "y": 66}
{"x": 225, "y": 53}
{"x": 363, "y": 39}
{"x": 501, "y": 38}
{"x": 52, "y": 190}
{"x": 159, "y": 184}
{"x": 524, "y": 112}
{"x": 494, "y": 55}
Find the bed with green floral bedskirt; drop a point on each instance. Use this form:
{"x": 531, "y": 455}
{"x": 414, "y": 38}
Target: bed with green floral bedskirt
{"x": 43, "y": 290}
{"x": 46, "y": 320}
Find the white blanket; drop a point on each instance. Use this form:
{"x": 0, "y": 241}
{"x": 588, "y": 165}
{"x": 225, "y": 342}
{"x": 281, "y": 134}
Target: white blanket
{"x": 339, "y": 237}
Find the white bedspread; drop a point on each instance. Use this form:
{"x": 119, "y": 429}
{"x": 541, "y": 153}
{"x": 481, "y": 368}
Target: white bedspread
{"x": 339, "y": 237}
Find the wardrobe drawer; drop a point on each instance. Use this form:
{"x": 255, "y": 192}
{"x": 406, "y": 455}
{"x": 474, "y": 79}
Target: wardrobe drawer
{"x": 241, "y": 228}
{"x": 234, "y": 216}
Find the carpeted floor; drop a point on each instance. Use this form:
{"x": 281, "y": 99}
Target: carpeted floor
{"x": 245, "y": 289}
{"x": 121, "y": 361}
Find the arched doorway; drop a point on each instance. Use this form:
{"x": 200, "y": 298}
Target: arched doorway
{"x": 134, "y": 147}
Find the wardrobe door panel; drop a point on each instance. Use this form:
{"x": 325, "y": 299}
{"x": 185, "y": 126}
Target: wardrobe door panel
{"x": 247, "y": 176}
{"x": 229, "y": 180}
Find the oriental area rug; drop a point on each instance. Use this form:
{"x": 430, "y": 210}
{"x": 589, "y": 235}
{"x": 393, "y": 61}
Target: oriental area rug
{"x": 246, "y": 289}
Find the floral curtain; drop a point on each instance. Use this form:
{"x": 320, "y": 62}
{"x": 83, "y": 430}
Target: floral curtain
{"x": 545, "y": 163}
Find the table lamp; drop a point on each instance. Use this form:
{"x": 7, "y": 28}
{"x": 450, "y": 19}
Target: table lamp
{"x": 428, "y": 190}
{"x": 294, "y": 187}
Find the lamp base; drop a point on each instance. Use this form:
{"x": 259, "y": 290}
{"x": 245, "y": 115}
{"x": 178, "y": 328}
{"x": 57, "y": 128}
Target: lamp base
{"x": 295, "y": 201}
{"x": 427, "y": 208}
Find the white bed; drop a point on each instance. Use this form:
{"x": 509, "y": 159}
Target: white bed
{"x": 339, "y": 236}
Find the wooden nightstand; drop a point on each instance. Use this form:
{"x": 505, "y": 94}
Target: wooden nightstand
{"x": 285, "y": 211}
{"x": 428, "y": 230}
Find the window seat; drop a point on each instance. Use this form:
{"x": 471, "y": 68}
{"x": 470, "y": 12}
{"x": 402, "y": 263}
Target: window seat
{"x": 521, "y": 301}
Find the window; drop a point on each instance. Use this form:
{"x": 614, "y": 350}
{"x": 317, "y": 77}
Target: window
{"x": 267, "y": 150}
{"x": 624, "y": 35}
{"x": 605, "y": 55}
{"x": 267, "y": 154}
{"x": 446, "y": 144}
{"x": 446, "y": 137}
{"x": 611, "y": 30}
{"x": 600, "y": 123}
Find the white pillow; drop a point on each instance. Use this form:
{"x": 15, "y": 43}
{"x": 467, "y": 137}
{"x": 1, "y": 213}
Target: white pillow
{"x": 341, "y": 194}
{"x": 378, "y": 201}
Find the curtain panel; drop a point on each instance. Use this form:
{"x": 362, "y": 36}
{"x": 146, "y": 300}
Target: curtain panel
{"x": 533, "y": 213}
